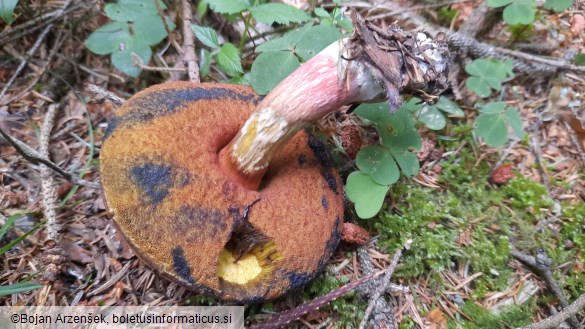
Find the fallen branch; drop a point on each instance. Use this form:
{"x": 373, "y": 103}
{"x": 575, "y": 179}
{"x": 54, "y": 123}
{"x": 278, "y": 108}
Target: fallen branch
{"x": 40, "y": 21}
{"x": 385, "y": 282}
{"x": 161, "y": 14}
{"x": 555, "y": 320}
{"x": 47, "y": 184}
{"x": 25, "y": 60}
{"x": 540, "y": 265}
{"x": 537, "y": 151}
{"x": 189, "y": 43}
{"x": 100, "y": 93}
{"x": 34, "y": 156}
{"x": 291, "y": 315}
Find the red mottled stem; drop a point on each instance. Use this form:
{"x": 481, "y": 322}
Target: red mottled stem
{"x": 315, "y": 89}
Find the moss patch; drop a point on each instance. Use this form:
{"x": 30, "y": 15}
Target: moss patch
{"x": 348, "y": 310}
{"x": 512, "y": 317}
{"x": 472, "y": 223}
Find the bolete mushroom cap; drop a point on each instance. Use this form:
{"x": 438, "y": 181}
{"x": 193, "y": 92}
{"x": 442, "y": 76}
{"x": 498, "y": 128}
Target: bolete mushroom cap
{"x": 171, "y": 201}
{"x": 223, "y": 192}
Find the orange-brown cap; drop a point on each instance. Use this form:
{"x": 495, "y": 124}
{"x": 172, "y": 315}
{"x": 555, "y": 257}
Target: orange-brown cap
{"x": 176, "y": 207}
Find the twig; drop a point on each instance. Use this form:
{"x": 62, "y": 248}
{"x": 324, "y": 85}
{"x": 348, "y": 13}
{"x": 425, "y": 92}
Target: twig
{"x": 111, "y": 281}
{"x": 286, "y": 317}
{"x": 33, "y": 156}
{"x": 161, "y": 14}
{"x": 56, "y": 47}
{"x": 537, "y": 59}
{"x": 555, "y": 320}
{"x": 538, "y": 155}
{"x": 40, "y": 21}
{"x": 23, "y": 63}
{"x": 382, "y": 313}
{"x": 100, "y": 93}
{"x": 189, "y": 43}
{"x": 575, "y": 141}
{"x": 504, "y": 155}
{"x": 385, "y": 282}
{"x": 413, "y": 8}
{"x": 47, "y": 187}
{"x": 137, "y": 61}
{"x": 291, "y": 315}
{"x": 540, "y": 265}
{"x": 522, "y": 62}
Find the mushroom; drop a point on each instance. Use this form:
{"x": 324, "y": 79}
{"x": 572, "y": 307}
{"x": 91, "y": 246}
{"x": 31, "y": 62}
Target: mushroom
{"x": 222, "y": 190}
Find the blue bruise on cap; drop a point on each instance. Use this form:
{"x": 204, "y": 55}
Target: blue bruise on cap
{"x": 169, "y": 101}
{"x": 324, "y": 158}
{"x": 324, "y": 202}
{"x": 334, "y": 238}
{"x": 330, "y": 179}
{"x": 181, "y": 266}
{"x": 155, "y": 180}
{"x": 332, "y": 243}
{"x": 299, "y": 279}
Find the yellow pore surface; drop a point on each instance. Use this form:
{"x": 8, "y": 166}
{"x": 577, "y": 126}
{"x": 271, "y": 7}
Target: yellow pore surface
{"x": 240, "y": 272}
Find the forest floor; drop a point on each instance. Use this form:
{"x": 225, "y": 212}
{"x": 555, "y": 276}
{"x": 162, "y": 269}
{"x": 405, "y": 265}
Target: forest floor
{"x": 472, "y": 212}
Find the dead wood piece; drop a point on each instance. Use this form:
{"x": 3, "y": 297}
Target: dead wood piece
{"x": 189, "y": 43}
{"x": 47, "y": 184}
{"x": 100, "y": 94}
{"x": 555, "y": 320}
{"x": 405, "y": 61}
{"x": 540, "y": 264}
{"x": 384, "y": 285}
{"x": 33, "y": 156}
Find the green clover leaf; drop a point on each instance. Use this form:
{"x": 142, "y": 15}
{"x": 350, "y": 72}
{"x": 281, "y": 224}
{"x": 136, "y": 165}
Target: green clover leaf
{"x": 367, "y": 196}
{"x": 281, "y": 13}
{"x": 7, "y": 10}
{"x": 123, "y": 59}
{"x": 378, "y": 163}
{"x": 229, "y": 7}
{"x": 270, "y": 68}
{"x": 493, "y": 121}
{"x": 558, "y": 5}
{"x": 281, "y": 56}
{"x": 487, "y": 74}
{"x": 516, "y": 11}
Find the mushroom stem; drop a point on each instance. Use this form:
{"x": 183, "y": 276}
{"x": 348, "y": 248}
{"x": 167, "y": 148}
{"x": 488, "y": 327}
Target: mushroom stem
{"x": 320, "y": 86}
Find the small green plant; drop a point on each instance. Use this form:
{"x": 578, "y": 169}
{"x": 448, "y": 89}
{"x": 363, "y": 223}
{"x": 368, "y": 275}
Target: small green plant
{"x": 487, "y": 74}
{"x": 136, "y": 26}
{"x": 335, "y": 18}
{"x": 378, "y": 165}
{"x": 511, "y": 317}
{"x": 558, "y": 5}
{"x": 281, "y": 56}
{"x": 7, "y": 10}
{"x": 516, "y": 11}
{"x": 227, "y": 55}
{"x": 23, "y": 286}
{"x": 433, "y": 116}
{"x": 267, "y": 13}
{"x": 349, "y": 308}
{"x": 278, "y": 57}
{"x": 579, "y": 59}
{"x": 493, "y": 121}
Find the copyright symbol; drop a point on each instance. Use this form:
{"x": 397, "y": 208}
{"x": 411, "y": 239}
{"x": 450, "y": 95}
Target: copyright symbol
{"x": 14, "y": 318}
